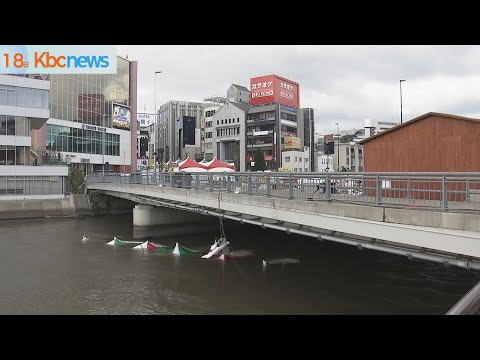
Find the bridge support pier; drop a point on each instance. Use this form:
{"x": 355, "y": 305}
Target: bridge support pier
{"x": 147, "y": 215}
{"x": 143, "y": 215}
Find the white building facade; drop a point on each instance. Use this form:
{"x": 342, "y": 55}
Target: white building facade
{"x": 373, "y": 127}
{"x": 296, "y": 161}
{"x": 229, "y": 134}
{"x": 24, "y": 173}
{"x": 323, "y": 163}
{"x": 348, "y": 157}
{"x": 206, "y": 134}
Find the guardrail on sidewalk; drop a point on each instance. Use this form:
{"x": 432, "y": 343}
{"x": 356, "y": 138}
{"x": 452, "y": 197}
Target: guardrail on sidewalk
{"x": 444, "y": 191}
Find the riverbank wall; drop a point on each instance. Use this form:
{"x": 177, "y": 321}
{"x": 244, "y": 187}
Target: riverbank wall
{"x": 75, "y": 205}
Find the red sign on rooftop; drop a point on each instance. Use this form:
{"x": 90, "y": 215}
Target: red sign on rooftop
{"x": 274, "y": 89}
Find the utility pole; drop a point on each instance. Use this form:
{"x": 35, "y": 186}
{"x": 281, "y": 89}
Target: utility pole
{"x": 401, "y": 110}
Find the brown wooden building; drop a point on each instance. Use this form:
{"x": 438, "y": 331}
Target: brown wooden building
{"x": 433, "y": 142}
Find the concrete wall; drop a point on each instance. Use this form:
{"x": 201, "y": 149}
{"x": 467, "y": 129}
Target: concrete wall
{"x": 75, "y": 205}
{"x": 70, "y": 206}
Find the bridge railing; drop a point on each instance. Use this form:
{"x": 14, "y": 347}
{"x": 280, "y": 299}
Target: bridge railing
{"x": 444, "y": 191}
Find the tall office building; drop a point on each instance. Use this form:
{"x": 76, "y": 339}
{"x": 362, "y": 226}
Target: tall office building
{"x": 272, "y": 120}
{"x": 306, "y": 132}
{"x": 92, "y": 121}
{"x": 25, "y": 173}
{"x": 167, "y": 116}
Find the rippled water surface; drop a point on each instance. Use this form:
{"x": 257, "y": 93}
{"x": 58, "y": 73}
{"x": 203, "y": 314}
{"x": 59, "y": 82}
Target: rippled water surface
{"x": 46, "y": 269}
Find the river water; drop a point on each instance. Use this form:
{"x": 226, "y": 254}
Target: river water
{"x": 46, "y": 269}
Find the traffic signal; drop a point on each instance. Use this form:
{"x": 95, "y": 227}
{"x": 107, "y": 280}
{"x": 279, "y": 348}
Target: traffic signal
{"x": 329, "y": 148}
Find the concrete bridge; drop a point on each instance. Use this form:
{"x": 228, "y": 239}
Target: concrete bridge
{"x": 433, "y": 217}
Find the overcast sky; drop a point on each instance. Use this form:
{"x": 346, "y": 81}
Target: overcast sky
{"x": 344, "y": 84}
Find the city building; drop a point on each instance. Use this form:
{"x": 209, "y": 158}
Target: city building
{"x": 238, "y": 94}
{"x": 24, "y": 172}
{"x": 228, "y": 124}
{"x": 272, "y": 120}
{"x": 90, "y": 120}
{"x": 296, "y": 161}
{"x": 323, "y": 163}
{"x": 373, "y": 127}
{"x": 167, "y": 116}
{"x": 206, "y": 134}
{"x": 151, "y": 141}
{"x": 185, "y": 127}
{"x": 432, "y": 142}
{"x": 142, "y": 141}
{"x": 306, "y": 131}
{"x": 271, "y": 129}
{"x": 348, "y": 157}
{"x": 146, "y": 130}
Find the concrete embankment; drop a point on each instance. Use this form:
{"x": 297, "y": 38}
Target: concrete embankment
{"x": 77, "y": 205}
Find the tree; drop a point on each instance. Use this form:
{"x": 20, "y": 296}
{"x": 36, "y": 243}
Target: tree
{"x": 76, "y": 182}
{"x": 347, "y": 138}
{"x": 259, "y": 161}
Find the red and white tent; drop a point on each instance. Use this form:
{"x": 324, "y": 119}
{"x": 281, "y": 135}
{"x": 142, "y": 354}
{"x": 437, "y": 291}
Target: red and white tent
{"x": 219, "y": 166}
{"x": 189, "y": 165}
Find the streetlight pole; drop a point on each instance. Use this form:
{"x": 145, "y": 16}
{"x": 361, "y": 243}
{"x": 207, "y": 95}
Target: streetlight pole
{"x": 338, "y": 148}
{"x": 401, "y": 110}
{"x": 155, "y": 118}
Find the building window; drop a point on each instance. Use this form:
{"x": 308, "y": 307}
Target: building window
{"x": 238, "y": 120}
{"x": 287, "y": 159}
{"x": 61, "y": 138}
{"x": 296, "y": 160}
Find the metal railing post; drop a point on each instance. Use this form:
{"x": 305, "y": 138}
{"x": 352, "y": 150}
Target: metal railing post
{"x": 229, "y": 183}
{"x": 467, "y": 191}
{"x": 408, "y": 190}
{"x": 196, "y": 181}
{"x": 444, "y": 193}
{"x": 249, "y": 184}
{"x": 184, "y": 180}
{"x": 328, "y": 187}
{"x": 290, "y": 187}
{"x": 378, "y": 188}
{"x": 269, "y": 186}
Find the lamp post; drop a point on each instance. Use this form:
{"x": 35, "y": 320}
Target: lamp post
{"x": 338, "y": 147}
{"x": 155, "y": 118}
{"x": 401, "y": 110}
